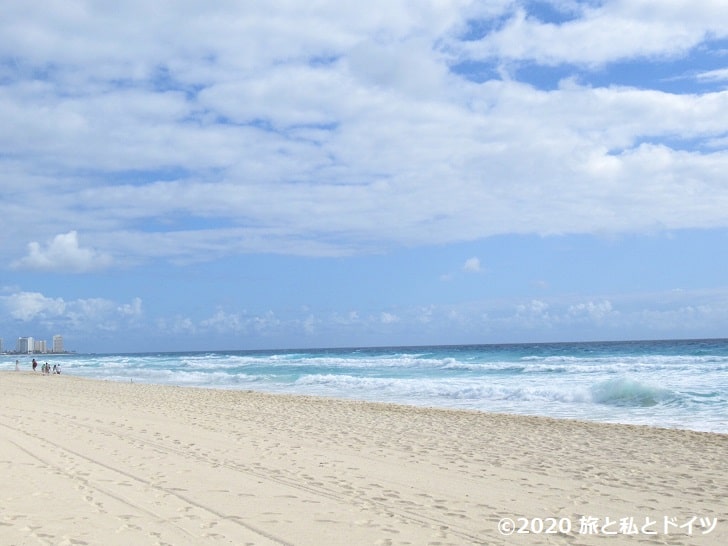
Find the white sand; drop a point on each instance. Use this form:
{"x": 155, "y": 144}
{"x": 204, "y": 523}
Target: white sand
{"x": 102, "y": 463}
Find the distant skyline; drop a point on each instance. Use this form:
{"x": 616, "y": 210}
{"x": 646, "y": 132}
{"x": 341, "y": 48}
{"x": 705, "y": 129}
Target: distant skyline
{"x": 26, "y": 345}
{"x": 230, "y": 176}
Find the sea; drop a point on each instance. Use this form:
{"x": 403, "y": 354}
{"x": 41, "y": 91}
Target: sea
{"x": 672, "y": 384}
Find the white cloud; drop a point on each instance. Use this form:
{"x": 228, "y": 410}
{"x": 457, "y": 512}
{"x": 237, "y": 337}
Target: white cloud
{"x": 86, "y": 315}
{"x": 426, "y": 314}
{"x": 535, "y": 308}
{"x": 719, "y": 75}
{"x": 330, "y": 129}
{"x": 388, "y": 318}
{"x": 472, "y": 265}
{"x": 266, "y": 324}
{"x": 223, "y": 322}
{"x": 610, "y": 31}
{"x": 63, "y": 253}
{"x": 595, "y": 311}
{"x": 176, "y": 325}
{"x": 345, "y": 319}
{"x": 27, "y": 306}
{"x": 227, "y": 323}
{"x": 93, "y": 314}
{"x": 309, "y": 324}
{"x": 133, "y": 309}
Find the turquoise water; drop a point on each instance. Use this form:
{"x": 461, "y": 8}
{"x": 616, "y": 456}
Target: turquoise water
{"x": 681, "y": 384}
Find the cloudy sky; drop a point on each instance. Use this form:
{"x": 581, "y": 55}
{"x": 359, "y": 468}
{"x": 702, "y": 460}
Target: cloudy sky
{"x": 180, "y": 175}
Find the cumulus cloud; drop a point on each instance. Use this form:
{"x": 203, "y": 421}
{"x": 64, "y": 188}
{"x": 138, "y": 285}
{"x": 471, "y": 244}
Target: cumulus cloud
{"x": 86, "y": 315}
{"x": 62, "y": 253}
{"x": 472, "y": 265}
{"x": 388, "y": 318}
{"x": 596, "y": 311}
{"x": 344, "y": 128}
{"x": 133, "y": 309}
{"x": 535, "y": 308}
{"x": 177, "y": 325}
{"x": 222, "y": 322}
{"x": 227, "y": 323}
{"x": 426, "y": 314}
{"x": 27, "y": 306}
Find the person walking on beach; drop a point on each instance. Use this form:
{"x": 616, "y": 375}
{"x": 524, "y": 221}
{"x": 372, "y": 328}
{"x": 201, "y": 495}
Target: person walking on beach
{"x": 17, "y": 368}
{"x": 35, "y": 364}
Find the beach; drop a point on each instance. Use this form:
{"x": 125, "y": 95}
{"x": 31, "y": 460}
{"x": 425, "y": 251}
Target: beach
{"x": 116, "y": 463}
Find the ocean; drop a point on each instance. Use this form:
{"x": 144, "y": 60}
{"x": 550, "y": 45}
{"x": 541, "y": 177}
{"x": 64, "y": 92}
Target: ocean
{"x": 673, "y": 384}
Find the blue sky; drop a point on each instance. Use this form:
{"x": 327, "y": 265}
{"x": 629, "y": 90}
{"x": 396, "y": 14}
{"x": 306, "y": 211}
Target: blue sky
{"x": 185, "y": 177}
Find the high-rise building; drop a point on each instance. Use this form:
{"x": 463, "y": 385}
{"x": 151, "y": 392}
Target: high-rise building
{"x": 1, "y": 345}
{"x": 57, "y": 344}
{"x": 40, "y": 346}
{"x": 26, "y": 345}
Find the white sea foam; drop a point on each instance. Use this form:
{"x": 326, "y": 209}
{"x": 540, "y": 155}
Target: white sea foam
{"x": 662, "y": 384}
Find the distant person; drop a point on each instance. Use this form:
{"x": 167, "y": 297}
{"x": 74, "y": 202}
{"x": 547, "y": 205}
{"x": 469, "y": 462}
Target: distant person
{"x": 58, "y": 369}
{"x": 35, "y": 364}
{"x": 17, "y": 367}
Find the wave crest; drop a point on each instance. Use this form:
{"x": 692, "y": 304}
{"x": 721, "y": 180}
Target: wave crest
{"x": 628, "y": 392}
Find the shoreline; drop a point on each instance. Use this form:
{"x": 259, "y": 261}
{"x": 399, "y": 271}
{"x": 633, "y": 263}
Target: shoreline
{"x": 377, "y": 402}
{"x": 111, "y": 462}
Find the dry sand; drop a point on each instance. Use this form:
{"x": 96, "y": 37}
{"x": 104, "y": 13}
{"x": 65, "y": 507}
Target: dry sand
{"x": 103, "y": 463}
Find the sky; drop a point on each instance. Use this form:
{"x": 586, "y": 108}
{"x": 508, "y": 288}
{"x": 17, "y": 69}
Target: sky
{"x": 179, "y": 176}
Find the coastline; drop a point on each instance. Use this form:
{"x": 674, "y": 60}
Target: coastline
{"x": 118, "y": 463}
